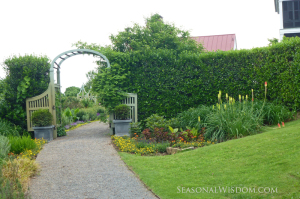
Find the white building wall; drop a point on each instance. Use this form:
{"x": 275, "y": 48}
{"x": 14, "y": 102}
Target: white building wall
{"x": 283, "y": 31}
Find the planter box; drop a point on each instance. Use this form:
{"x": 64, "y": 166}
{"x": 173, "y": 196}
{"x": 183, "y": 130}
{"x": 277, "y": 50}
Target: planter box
{"x": 122, "y": 127}
{"x": 45, "y": 132}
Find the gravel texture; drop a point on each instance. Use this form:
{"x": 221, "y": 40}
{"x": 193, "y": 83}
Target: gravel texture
{"x": 84, "y": 164}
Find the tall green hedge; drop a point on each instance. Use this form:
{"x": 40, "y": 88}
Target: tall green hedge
{"x": 26, "y": 76}
{"x": 168, "y": 82}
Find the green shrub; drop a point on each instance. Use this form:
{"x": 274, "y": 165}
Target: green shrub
{"x": 26, "y": 76}
{"x": 87, "y": 103}
{"x": 100, "y": 110}
{"x": 7, "y": 129}
{"x": 21, "y": 144}
{"x": 161, "y": 147}
{"x": 71, "y": 102}
{"x": 80, "y": 114}
{"x": 122, "y": 112}
{"x": 135, "y": 129}
{"x": 42, "y": 117}
{"x": 4, "y": 147}
{"x": 86, "y": 117}
{"x": 61, "y": 131}
{"x": 156, "y": 121}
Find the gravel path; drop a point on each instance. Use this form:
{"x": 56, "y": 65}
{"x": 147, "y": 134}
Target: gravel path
{"x": 84, "y": 164}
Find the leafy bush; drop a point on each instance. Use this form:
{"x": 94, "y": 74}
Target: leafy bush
{"x": 80, "y": 114}
{"x": 69, "y": 116}
{"x": 41, "y": 117}
{"x": 61, "y": 131}
{"x": 135, "y": 129}
{"x": 156, "y": 121}
{"x": 87, "y": 103}
{"x": 4, "y": 147}
{"x": 7, "y": 129}
{"x": 21, "y": 144}
{"x": 122, "y": 112}
{"x": 71, "y": 102}
{"x": 161, "y": 147}
{"x": 26, "y": 76}
{"x": 92, "y": 113}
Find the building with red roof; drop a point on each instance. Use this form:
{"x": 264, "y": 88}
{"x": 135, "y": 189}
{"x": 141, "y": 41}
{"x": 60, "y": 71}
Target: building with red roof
{"x": 217, "y": 42}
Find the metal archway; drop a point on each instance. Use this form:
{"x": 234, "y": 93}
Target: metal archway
{"x": 46, "y": 100}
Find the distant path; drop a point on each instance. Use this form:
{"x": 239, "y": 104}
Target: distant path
{"x": 85, "y": 165}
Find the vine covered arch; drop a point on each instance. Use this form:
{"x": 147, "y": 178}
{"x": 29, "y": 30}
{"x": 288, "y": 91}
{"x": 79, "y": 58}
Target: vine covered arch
{"x": 48, "y": 99}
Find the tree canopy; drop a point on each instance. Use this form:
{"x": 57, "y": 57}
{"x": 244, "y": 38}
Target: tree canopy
{"x": 156, "y": 39}
{"x": 72, "y": 91}
{"x": 155, "y": 35}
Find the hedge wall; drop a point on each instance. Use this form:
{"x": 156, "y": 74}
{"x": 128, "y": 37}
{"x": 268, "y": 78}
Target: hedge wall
{"x": 168, "y": 83}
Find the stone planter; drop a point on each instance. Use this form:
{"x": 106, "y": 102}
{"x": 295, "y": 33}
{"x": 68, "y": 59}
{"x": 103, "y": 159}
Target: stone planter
{"x": 45, "y": 132}
{"x": 122, "y": 127}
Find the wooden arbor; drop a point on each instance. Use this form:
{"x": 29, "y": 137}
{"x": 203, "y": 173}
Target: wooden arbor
{"x": 47, "y": 99}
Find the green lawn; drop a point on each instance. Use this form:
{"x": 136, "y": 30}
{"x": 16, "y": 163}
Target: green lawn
{"x": 261, "y": 162}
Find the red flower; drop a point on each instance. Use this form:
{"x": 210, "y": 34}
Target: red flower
{"x": 282, "y": 124}
{"x": 279, "y": 125}
{"x": 265, "y": 83}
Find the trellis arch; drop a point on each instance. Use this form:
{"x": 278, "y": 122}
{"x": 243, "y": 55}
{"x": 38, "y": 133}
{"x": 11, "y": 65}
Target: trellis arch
{"x": 47, "y": 99}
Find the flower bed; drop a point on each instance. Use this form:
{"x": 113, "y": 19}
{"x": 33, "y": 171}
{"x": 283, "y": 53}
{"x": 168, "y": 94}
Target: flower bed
{"x": 144, "y": 146}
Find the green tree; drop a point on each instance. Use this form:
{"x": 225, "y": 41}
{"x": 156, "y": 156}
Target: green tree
{"x": 72, "y": 91}
{"x": 26, "y": 76}
{"x": 155, "y": 35}
{"x": 90, "y": 76}
{"x": 126, "y": 53}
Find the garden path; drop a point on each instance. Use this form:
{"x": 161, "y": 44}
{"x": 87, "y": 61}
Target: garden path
{"x": 84, "y": 164}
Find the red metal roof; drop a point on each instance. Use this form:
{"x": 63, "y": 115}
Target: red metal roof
{"x": 217, "y": 42}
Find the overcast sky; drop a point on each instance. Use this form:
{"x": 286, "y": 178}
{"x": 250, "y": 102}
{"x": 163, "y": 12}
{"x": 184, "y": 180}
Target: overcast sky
{"x": 51, "y": 27}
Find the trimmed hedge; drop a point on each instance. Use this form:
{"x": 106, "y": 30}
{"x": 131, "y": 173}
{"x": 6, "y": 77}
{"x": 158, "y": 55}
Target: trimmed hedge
{"x": 168, "y": 83}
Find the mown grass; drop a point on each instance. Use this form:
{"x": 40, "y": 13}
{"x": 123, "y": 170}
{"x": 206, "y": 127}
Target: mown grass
{"x": 270, "y": 159}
